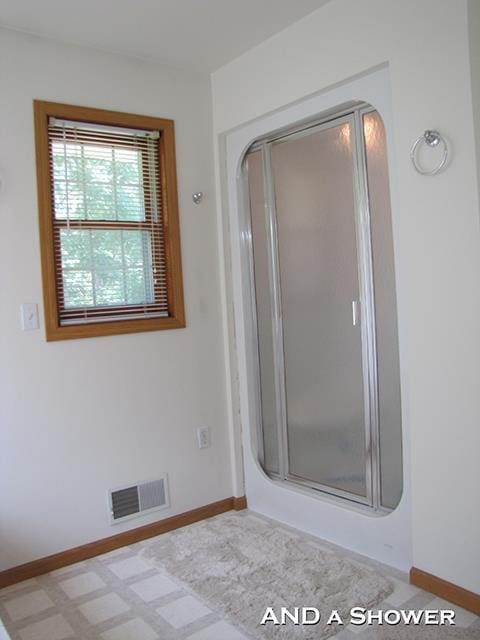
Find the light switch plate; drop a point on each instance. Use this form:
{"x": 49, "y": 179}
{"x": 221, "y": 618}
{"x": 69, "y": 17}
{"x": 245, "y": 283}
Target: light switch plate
{"x": 29, "y": 316}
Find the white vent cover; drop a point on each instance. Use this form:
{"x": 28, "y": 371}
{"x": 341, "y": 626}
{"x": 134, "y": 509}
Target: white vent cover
{"x": 138, "y": 499}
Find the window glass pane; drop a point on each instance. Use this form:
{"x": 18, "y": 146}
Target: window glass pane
{"x": 129, "y": 203}
{"x": 136, "y": 286}
{"x": 68, "y": 201}
{"x": 76, "y": 250}
{"x": 60, "y": 199}
{"x": 110, "y": 287}
{"x": 97, "y": 182}
{"x": 74, "y": 163}
{"x": 100, "y": 201}
{"x": 75, "y": 200}
{"x": 106, "y": 267}
{"x": 107, "y": 249}
{"x": 58, "y": 161}
{"x": 98, "y": 165}
{"x": 127, "y": 166}
{"x": 78, "y": 288}
{"x": 136, "y": 245}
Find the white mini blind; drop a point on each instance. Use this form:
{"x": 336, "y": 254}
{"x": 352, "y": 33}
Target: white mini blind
{"x": 108, "y": 226}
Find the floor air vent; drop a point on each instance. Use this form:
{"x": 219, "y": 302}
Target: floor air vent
{"x": 138, "y": 499}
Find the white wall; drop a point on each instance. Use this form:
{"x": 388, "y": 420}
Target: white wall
{"x": 436, "y": 235}
{"x": 474, "y": 42}
{"x": 80, "y": 416}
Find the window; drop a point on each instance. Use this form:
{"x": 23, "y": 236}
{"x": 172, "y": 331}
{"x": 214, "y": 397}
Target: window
{"x": 108, "y": 222}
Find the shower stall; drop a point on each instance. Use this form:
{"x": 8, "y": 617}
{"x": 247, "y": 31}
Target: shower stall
{"x": 323, "y": 293}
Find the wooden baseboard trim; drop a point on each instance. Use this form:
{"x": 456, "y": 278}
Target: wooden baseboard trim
{"x": 446, "y": 590}
{"x": 240, "y": 503}
{"x": 85, "y": 551}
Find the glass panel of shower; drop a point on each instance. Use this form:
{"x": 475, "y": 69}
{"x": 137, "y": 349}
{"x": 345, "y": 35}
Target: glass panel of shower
{"x": 323, "y": 286}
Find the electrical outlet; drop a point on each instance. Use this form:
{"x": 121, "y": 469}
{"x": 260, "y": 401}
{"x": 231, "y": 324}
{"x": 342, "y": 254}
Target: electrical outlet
{"x": 203, "y": 437}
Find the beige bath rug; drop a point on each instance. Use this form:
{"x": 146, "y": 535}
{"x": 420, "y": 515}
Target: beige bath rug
{"x": 240, "y": 565}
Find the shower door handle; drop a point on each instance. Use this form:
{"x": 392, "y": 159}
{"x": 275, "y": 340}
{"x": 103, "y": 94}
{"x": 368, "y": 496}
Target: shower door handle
{"x": 355, "y": 312}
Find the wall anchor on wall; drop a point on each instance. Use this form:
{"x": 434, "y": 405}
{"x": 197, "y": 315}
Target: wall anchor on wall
{"x": 197, "y": 197}
{"x": 433, "y": 139}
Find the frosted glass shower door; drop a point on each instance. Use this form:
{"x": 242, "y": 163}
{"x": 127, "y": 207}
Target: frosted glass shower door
{"x": 314, "y": 187}
{"x": 325, "y": 366}
{"x": 270, "y": 443}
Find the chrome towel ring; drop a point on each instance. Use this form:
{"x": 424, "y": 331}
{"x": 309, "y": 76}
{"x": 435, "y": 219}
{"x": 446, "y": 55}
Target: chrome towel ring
{"x": 433, "y": 139}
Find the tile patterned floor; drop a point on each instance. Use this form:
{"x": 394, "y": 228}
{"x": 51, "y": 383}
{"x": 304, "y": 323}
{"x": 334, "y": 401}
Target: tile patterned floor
{"x": 118, "y": 596}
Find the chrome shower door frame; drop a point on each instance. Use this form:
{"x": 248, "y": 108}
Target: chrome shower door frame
{"x": 353, "y": 117}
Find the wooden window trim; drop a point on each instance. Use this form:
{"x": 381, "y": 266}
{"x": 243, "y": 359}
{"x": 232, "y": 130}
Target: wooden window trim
{"x": 171, "y": 228}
